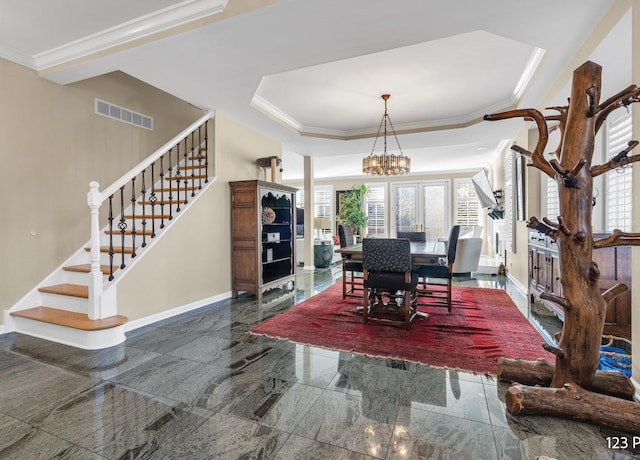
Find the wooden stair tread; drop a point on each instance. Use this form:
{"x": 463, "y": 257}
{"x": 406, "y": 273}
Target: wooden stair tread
{"x": 86, "y": 268}
{"x": 70, "y": 319}
{"x": 116, "y": 249}
{"x": 73, "y": 290}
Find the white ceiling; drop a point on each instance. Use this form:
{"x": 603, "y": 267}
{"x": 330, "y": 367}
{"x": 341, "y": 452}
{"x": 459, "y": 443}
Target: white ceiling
{"x": 310, "y": 73}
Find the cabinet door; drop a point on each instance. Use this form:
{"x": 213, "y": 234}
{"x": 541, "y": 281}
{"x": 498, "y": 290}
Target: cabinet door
{"x": 532, "y": 267}
{"x": 555, "y": 283}
{"x": 541, "y": 265}
{"x": 277, "y": 234}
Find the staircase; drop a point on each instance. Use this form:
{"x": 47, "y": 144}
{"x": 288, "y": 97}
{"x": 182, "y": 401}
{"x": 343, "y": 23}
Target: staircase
{"x": 77, "y": 303}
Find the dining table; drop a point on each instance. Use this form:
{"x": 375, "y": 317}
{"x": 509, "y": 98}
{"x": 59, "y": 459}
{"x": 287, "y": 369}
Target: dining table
{"x": 422, "y": 252}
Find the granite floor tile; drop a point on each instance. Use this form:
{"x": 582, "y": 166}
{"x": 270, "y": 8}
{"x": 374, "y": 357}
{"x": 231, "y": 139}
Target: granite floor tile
{"x": 421, "y": 434}
{"x": 299, "y": 448}
{"x": 278, "y": 404}
{"x": 229, "y": 391}
{"x": 389, "y": 384}
{"x": 203, "y": 321}
{"x": 200, "y": 385}
{"x": 345, "y": 420}
{"x": 463, "y": 399}
{"x": 8, "y": 360}
{"x": 225, "y": 437}
{"x": 30, "y": 388}
{"x": 218, "y": 351}
{"x": 104, "y": 367}
{"x": 116, "y": 422}
{"x": 159, "y": 340}
{"x": 21, "y": 441}
{"x": 551, "y": 436}
{"x": 290, "y": 365}
{"x": 174, "y": 378}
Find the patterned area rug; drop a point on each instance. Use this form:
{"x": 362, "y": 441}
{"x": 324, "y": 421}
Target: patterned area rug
{"x": 484, "y": 325}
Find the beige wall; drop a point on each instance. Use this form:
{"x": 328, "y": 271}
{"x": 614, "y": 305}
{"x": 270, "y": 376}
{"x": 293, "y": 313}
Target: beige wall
{"x": 193, "y": 261}
{"x": 53, "y": 145}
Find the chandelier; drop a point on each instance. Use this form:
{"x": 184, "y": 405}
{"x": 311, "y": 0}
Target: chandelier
{"x": 386, "y": 164}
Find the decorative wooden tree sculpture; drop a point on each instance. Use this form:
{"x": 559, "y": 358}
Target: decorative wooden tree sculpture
{"x": 576, "y": 389}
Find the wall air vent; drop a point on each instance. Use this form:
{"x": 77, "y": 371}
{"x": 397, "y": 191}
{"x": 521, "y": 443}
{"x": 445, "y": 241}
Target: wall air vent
{"x": 125, "y": 115}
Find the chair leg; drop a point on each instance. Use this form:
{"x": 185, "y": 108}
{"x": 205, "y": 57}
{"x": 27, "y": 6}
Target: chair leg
{"x": 449, "y": 285}
{"x": 365, "y": 304}
{"x": 407, "y": 309}
{"x": 344, "y": 283}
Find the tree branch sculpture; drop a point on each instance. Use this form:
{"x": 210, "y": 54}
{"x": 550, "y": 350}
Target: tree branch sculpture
{"x": 575, "y": 388}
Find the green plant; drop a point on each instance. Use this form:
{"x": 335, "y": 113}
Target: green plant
{"x": 352, "y": 208}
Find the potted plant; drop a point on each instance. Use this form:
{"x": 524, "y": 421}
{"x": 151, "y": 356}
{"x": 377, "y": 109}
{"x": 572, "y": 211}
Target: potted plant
{"x": 352, "y": 208}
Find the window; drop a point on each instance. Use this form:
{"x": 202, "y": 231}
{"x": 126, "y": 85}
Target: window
{"x": 322, "y": 204}
{"x": 375, "y": 205}
{"x": 421, "y": 206}
{"x": 618, "y": 182}
{"x": 467, "y": 205}
{"x": 551, "y": 199}
{"x": 506, "y": 229}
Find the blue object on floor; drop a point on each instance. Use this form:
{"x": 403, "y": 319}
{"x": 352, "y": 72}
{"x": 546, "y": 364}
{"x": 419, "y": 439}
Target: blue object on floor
{"x": 615, "y": 363}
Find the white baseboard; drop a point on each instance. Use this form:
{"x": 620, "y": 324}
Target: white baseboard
{"x": 516, "y": 284}
{"x": 147, "y": 320}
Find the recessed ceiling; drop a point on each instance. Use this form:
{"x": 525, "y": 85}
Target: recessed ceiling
{"x": 430, "y": 86}
{"x": 321, "y": 66}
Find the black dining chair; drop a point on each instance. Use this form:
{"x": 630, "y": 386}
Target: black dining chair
{"x": 351, "y": 269}
{"x": 388, "y": 275}
{"x": 442, "y": 271}
{"x": 414, "y": 236}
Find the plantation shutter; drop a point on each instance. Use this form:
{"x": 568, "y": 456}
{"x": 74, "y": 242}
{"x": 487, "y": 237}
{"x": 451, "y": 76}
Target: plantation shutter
{"x": 467, "y": 210}
{"x": 375, "y": 204}
{"x": 618, "y": 182}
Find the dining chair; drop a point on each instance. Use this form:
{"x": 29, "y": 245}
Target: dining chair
{"x": 389, "y": 282}
{"x": 442, "y": 271}
{"x": 413, "y": 236}
{"x": 351, "y": 270}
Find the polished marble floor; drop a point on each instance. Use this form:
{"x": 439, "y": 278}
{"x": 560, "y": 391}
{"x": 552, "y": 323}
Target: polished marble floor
{"x": 198, "y": 386}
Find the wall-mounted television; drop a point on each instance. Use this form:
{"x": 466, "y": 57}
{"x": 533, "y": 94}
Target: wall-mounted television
{"x": 483, "y": 190}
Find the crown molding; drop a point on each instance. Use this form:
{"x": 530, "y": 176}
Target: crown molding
{"x": 273, "y": 112}
{"x": 17, "y": 57}
{"x": 143, "y": 26}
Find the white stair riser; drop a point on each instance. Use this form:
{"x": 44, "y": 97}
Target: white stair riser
{"x": 65, "y": 302}
{"x": 76, "y": 278}
{"x": 87, "y": 340}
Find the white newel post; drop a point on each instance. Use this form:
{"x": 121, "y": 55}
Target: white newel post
{"x": 94, "y": 200}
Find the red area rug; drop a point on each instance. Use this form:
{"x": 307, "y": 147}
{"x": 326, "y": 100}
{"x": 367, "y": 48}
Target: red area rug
{"x": 484, "y": 325}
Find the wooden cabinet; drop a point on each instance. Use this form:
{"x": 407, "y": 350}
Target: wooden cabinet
{"x": 262, "y": 236}
{"x": 615, "y": 267}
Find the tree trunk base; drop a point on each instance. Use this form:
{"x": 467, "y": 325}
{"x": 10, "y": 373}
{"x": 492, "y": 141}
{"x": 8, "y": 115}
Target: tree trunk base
{"x": 575, "y": 403}
{"x": 540, "y": 372}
